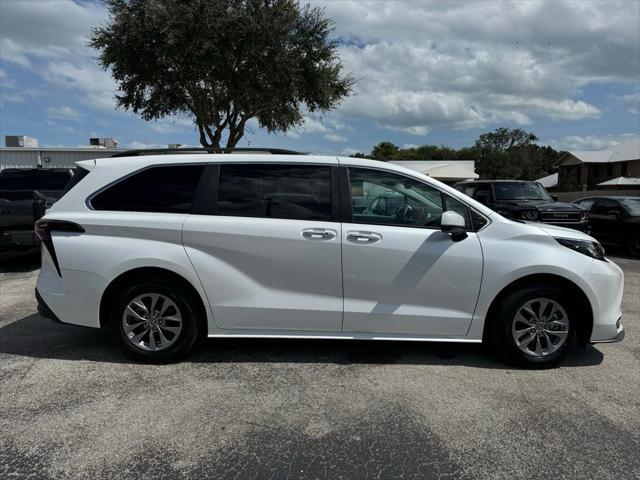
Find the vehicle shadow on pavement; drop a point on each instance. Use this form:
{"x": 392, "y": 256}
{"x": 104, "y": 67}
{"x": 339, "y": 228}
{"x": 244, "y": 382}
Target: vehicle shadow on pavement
{"x": 37, "y": 337}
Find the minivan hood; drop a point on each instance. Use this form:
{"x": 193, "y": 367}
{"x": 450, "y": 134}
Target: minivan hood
{"x": 562, "y": 232}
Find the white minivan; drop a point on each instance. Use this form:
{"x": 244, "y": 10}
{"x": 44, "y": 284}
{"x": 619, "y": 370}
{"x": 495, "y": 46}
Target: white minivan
{"x": 164, "y": 249}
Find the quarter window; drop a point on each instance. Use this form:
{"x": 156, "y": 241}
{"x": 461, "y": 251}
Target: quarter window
{"x": 393, "y": 199}
{"x": 167, "y": 189}
{"x": 297, "y": 192}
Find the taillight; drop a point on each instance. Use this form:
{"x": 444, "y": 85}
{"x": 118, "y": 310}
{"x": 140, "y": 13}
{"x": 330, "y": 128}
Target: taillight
{"x": 45, "y": 227}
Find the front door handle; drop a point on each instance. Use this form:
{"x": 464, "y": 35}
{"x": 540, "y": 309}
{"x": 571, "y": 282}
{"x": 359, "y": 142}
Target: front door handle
{"x": 318, "y": 234}
{"x": 363, "y": 237}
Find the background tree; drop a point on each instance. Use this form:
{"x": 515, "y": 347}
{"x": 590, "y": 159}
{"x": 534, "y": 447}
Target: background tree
{"x": 501, "y": 154}
{"x": 497, "y": 150}
{"x": 385, "y": 151}
{"x": 221, "y": 62}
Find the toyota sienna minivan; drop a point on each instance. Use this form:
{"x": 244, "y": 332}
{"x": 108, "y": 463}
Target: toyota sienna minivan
{"x": 165, "y": 249}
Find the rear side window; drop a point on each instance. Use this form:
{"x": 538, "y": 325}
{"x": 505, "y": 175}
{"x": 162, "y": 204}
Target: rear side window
{"x": 158, "y": 189}
{"x": 298, "y": 192}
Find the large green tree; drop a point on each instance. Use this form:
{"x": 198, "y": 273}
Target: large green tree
{"x": 498, "y": 151}
{"x": 221, "y": 62}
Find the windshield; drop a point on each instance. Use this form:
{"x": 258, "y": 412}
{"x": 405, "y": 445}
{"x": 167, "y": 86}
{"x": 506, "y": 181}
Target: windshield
{"x": 30, "y": 180}
{"x": 632, "y": 205}
{"x": 520, "y": 191}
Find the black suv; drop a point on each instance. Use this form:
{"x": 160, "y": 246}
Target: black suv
{"x": 528, "y": 201}
{"x": 615, "y": 220}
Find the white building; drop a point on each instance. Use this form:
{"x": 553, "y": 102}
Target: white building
{"x": 447, "y": 171}
{"x": 23, "y": 152}
{"x": 19, "y": 157}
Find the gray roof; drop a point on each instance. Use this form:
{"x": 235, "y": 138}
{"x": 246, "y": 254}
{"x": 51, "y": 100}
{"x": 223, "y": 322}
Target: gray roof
{"x": 633, "y": 181}
{"x": 629, "y": 150}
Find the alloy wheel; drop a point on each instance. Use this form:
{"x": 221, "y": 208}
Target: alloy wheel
{"x": 540, "y": 327}
{"x": 152, "y": 322}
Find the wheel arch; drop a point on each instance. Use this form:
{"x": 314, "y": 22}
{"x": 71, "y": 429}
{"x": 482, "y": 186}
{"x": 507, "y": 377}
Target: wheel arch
{"x": 153, "y": 273}
{"x": 584, "y": 326}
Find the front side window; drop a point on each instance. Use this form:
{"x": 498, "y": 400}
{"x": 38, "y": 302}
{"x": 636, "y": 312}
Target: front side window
{"x": 163, "y": 189}
{"x": 605, "y": 206}
{"x": 297, "y": 192}
{"x": 393, "y": 199}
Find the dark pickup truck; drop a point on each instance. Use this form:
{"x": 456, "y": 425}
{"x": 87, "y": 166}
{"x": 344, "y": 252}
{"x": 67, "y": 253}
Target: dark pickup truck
{"x": 528, "y": 201}
{"x": 25, "y": 193}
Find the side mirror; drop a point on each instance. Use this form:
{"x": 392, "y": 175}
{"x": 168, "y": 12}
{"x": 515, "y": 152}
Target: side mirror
{"x": 554, "y": 198}
{"x": 453, "y": 224}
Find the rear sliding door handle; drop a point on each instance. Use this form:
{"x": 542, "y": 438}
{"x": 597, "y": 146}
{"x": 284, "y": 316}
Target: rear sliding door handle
{"x": 318, "y": 234}
{"x": 363, "y": 237}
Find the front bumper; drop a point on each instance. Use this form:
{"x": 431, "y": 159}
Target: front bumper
{"x": 619, "y": 336}
{"x": 581, "y": 226}
{"x": 604, "y": 285}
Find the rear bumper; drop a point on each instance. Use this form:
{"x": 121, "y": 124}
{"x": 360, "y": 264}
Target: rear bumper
{"x": 43, "y": 308}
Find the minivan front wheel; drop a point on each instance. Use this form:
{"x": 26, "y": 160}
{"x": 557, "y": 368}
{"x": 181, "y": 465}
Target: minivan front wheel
{"x": 154, "y": 320}
{"x": 534, "y": 326}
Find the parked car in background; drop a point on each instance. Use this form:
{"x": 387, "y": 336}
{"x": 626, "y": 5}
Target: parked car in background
{"x": 25, "y": 193}
{"x": 529, "y": 201}
{"x": 615, "y": 221}
{"x": 165, "y": 249}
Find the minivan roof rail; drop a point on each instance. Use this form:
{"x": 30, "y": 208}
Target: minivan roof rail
{"x": 158, "y": 151}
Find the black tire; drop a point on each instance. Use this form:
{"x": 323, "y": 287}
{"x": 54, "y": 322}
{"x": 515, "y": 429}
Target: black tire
{"x": 502, "y": 339}
{"x": 187, "y": 307}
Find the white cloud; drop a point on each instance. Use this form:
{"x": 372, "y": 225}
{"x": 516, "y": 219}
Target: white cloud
{"x": 169, "y": 125}
{"x": 334, "y": 137}
{"x": 476, "y": 64}
{"x": 419, "y": 65}
{"x": 349, "y": 151}
{"x": 95, "y": 87}
{"x": 45, "y": 29}
{"x": 64, "y": 112}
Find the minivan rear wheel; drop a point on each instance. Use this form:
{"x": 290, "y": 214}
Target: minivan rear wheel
{"x": 154, "y": 320}
{"x": 534, "y": 326}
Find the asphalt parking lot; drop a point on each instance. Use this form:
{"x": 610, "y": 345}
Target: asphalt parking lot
{"x": 72, "y": 406}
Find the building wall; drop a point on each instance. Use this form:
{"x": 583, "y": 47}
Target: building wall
{"x": 586, "y": 176}
{"x": 48, "y": 158}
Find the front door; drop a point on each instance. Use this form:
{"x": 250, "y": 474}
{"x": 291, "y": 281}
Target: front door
{"x": 269, "y": 256}
{"x": 606, "y": 221}
{"x": 401, "y": 273}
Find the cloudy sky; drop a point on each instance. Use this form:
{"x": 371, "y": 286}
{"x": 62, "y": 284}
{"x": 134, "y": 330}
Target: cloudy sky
{"x": 428, "y": 73}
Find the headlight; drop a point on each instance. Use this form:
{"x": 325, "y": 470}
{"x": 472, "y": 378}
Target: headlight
{"x": 585, "y": 247}
{"x": 531, "y": 214}
{"x": 584, "y": 215}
